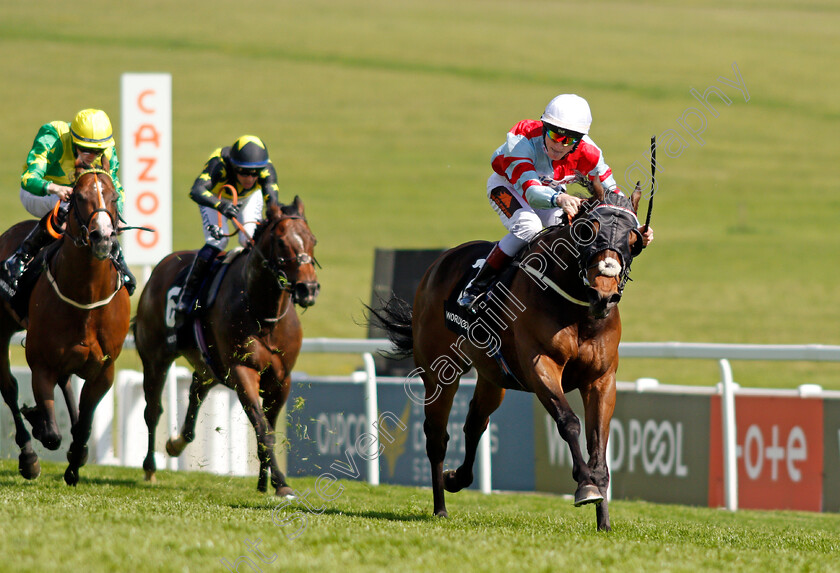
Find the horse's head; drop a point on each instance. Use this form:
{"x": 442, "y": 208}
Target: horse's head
{"x": 609, "y": 239}
{"x": 287, "y": 247}
{"x": 94, "y": 217}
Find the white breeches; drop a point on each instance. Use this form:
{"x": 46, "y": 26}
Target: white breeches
{"x": 37, "y": 205}
{"x": 250, "y": 212}
{"x": 521, "y": 220}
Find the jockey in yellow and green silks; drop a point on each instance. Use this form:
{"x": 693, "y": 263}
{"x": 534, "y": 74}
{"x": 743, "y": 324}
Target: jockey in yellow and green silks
{"x": 48, "y": 177}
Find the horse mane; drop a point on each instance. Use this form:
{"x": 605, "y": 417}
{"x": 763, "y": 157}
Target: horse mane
{"x": 276, "y": 212}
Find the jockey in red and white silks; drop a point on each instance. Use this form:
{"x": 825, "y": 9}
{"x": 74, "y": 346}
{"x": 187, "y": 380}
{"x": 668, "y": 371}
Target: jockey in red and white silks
{"x": 552, "y": 149}
{"x": 521, "y": 164}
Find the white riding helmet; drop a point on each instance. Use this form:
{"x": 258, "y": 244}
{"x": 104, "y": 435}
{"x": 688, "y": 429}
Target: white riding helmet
{"x": 568, "y": 111}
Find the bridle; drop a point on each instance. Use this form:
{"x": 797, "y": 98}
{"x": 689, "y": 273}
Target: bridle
{"x": 277, "y": 266}
{"x": 615, "y": 222}
{"x": 83, "y": 239}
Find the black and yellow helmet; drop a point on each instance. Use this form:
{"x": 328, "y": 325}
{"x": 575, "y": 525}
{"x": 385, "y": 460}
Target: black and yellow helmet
{"x": 248, "y": 152}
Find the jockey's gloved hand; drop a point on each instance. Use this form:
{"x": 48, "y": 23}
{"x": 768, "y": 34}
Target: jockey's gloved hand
{"x": 215, "y": 231}
{"x": 228, "y": 209}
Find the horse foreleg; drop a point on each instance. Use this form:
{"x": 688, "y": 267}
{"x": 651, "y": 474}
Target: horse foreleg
{"x": 274, "y": 397}
{"x": 92, "y": 392}
{"x": 551, "y": 395}
{"x": 486, "y": 399}
{"x": 28, "y": 464}
{"x": 248, "y": 390}
{"x": 199, "y": 389}
{"x": 69, "y": 399}
{"x": 154, "y": 378}
{"x": 599, "y": 404}
{"x": 42, "y": 416}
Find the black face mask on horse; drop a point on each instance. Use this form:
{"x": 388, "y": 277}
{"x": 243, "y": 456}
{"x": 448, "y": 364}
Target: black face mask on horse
{"x": 616, "y": 223}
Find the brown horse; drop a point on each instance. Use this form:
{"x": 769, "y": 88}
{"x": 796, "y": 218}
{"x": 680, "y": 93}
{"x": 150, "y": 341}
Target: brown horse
{"x": 552, "y": 330}
{"x": 78, "y": 318}
{"x": 252, "y": 332}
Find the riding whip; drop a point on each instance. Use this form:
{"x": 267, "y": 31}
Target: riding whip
{"x": 652, "y": 180}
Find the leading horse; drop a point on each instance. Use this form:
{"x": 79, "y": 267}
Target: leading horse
{"x": 78, "y": 318}
{"x": 552, "y": 329}
{"x": 252, "y": 332}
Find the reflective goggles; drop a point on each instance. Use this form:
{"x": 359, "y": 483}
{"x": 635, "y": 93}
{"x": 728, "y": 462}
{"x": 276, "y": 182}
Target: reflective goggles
{"x": 249, "y": 172}
{"x": 561, "y": 137}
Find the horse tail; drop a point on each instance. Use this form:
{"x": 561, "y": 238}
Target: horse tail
{"x": 394, "y": 317}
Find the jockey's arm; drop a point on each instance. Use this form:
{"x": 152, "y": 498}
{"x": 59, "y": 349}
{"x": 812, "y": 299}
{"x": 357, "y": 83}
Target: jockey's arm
{"x": 270, "y": 189}
{"x": 202, "y": 189}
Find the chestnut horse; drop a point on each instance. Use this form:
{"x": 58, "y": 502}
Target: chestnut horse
{"x": 78, "y": 318}
{"x": 252, "y": 332}
{"x": 553, "y": 329}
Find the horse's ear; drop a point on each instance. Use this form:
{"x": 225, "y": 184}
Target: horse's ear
{"x": 298, "y": 203}
{"x": 636, "y": 196}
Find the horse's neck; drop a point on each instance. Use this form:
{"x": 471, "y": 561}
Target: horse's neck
{"x": 76, "y": 270}
{"x": 266, "y": 299}
{"x": 558, "y": 250}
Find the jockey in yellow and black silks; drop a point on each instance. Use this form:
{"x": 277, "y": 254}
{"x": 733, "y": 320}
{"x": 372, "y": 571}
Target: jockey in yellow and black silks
{"x": 48, "y": 177}
{"x": 247, "y": 168}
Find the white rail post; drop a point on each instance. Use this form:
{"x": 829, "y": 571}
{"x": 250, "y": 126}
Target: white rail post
{"x": 372, "y": 413}
{"x": 485, "y": 450}
{"x": 730, "y": 434}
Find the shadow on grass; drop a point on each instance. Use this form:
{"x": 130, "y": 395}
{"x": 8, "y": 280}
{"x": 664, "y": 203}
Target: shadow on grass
{"x": 372, "y": 514}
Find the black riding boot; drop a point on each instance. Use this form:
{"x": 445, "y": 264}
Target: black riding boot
{"x": 13, "y": 267}
{"x": 197, "y": 274}
{"x": 119, "y": 262}
{"x": 493, "y": 265}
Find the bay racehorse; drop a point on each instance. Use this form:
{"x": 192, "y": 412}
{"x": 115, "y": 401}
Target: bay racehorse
{"x": 77, "y": 319}
{"x": 551, "y": 329}
{"x": 252, "y": 333}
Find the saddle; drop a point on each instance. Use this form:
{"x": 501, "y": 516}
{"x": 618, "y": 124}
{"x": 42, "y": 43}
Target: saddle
{"x": 496, "y": 305}
{"x": 26, "y": 282}
{"x": 190, "y": 334}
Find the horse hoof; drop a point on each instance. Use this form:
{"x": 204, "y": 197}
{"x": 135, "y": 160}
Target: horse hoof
{"x": 174, "y": 447}
{"x": 451, "y": 483}
{"x": 442, "y": 513}
{"x": 29, "y": 466}
{"x": 588, "y": 494}
{"x": 285, "y": 492}
{"x": 71, "y": 477}
{"x": 150, "y": 477}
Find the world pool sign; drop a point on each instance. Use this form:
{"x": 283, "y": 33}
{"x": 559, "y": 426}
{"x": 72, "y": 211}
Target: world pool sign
{"x": 665, "y": 446}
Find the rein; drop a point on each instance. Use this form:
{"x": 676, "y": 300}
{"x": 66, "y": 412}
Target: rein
{"x": 585, "y": 256}
{"x": 82, "y": 240}
{"x": 554, "y": 286}
{"x": 274, "y": 264}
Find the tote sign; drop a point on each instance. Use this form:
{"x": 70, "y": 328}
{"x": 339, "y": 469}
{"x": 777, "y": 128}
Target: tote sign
{"x": 146, "y": 166}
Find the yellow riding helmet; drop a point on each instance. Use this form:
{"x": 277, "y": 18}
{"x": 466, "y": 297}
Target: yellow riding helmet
{"x": 92, "y": 128}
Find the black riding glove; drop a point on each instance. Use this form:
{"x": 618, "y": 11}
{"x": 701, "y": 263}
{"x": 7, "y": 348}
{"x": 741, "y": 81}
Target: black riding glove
{"x": 228, "y": 209}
